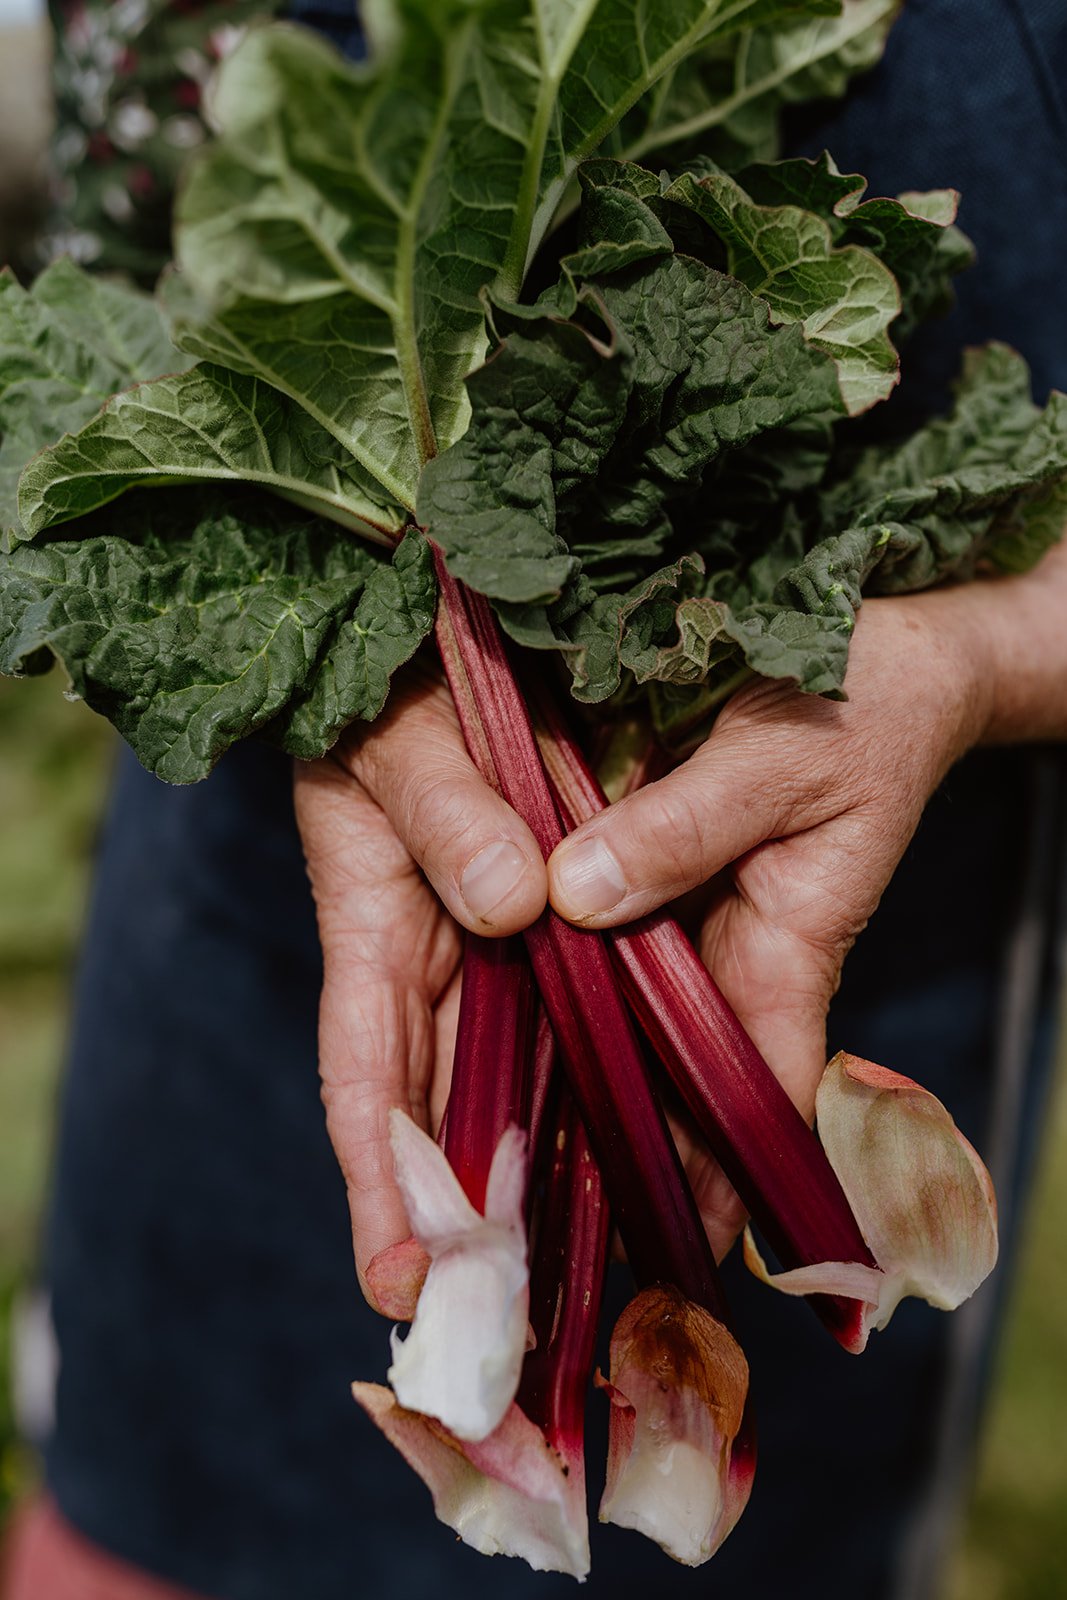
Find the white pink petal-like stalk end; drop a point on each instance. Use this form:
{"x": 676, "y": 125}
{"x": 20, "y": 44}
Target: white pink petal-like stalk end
{"x": 510, "y": 1494}
{"x": 850, "y": 1279}
{"x": 462, "y": 1359}
{"x": 920, "y": 1193}
{"x": 678, "y": 1388}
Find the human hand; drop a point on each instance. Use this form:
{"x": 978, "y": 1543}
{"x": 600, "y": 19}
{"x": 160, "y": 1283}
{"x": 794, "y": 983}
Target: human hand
{"x": 795, "y": 813}
{"x": 389, "y": 804}
{"x": 812, "y": 804}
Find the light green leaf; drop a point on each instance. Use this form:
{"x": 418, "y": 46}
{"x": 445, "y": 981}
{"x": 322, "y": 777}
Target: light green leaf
{"x": 913, "y": 235}
{"x": 843, "y": 296}
{"x": 191, "y": 621}
{"x": 207, "y": 424}
{"x": 725, "y": 99}
{"x": 66, "y": 345}
{"x": 342, "y": 228}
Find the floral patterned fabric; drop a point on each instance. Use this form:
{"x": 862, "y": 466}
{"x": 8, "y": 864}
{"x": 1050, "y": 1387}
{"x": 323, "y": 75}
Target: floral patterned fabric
{"x": 129, "y": 78}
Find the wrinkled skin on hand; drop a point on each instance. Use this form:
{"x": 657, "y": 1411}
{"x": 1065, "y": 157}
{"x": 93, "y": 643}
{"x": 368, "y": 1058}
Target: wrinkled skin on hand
{"x": 794, "y": 814}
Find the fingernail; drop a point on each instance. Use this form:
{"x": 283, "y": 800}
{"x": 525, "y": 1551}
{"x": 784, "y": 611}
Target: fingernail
{"x": 490, "y": 877}
{"x": 588, "y": 879}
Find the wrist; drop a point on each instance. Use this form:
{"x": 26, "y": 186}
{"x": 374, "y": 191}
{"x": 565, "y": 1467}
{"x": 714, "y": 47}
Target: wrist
{"x": 945, "y": 654}
{"x": 1026, "y": 619}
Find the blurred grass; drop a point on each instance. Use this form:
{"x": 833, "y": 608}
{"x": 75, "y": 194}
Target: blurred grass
{"x": 54, "y": 758}
{"x": 1016, "y": 1545}
{"x": 53, "y": 761}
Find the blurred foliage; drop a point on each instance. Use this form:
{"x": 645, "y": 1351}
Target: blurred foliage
{"x": 1016, "y": 1546}
{"x": 53, "y": 763}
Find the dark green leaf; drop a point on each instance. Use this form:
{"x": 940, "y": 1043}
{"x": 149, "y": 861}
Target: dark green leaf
{"x": 191, "y": 620}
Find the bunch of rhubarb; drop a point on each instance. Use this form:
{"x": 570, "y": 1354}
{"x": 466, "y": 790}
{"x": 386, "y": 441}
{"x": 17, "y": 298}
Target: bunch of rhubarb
{"x": 520, "y": 335}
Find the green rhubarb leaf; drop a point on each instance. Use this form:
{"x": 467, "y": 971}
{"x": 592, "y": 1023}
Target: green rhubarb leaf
{"x": 66, "y": 345}
{"x": 842, "y": 296}
{"x": 979, "y": 486}
{"x": 914, "y": 235}
{"x": 592, "y": 430}
{"x": 725, "y": 100}
{"x": 343, "y": 226}
{"x": 191, "y": 620}
{"x": 985, "y": 486}
{"x": 207, "y": 424}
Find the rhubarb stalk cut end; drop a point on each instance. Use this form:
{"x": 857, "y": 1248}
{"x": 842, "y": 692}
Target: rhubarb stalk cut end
{"x": 462, "y": 1358}
{"x": 510, "y": 1494}
{"x": 678, "y": 1390}
{"x": 920, "y": 1193}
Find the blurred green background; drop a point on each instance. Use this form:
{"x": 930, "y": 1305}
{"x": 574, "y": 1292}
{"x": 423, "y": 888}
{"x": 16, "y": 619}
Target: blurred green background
{"x": 54, "y": 761}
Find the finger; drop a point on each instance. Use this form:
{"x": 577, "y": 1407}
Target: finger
{"x": 778, "y": 941}
{"x": 738, "y": 789}
{"x": 480, "y": 857}
{"x": 375, "y": 1052}
{"x": 388, "y": 955}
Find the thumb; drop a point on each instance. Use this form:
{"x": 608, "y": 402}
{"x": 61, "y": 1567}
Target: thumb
{"x": 667, "y": 838}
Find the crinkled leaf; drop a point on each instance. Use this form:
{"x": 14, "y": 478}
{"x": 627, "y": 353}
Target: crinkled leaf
{"x": 66, "y": 345}
{"x": 190, "y": 621}
{"x": 842, "y": 296}
{"x": 207, "y": 424}
{"x": 591, "y": 456}
{"x": 959, "y": 491}
{"x": 914, "y": 235}
{"x": 589, "y": 431}
{"x": 344, "y": 224}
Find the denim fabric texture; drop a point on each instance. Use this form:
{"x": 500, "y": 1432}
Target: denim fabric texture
{"x": 198, "y": 1253}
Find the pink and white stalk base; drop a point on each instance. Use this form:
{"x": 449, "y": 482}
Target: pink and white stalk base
{"x": 461, "y": 1360}
{"x": 920, "y": 1193}
{"x": 521, "y": 1490}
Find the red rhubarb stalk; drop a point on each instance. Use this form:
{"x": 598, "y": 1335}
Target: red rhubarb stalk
{"x": 492, "y": 1068}
{"x": 566, "y": 1288}
{"x": 760, "y": 1139}
{"x": 650, "y": 1198}
{"x": 680, "y": 1395}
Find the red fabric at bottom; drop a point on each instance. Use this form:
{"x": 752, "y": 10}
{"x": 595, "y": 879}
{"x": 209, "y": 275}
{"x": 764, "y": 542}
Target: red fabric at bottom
{"x": 46, "y": 1559}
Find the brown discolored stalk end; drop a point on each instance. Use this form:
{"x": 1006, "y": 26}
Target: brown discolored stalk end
{"x": 678, "y": 1392}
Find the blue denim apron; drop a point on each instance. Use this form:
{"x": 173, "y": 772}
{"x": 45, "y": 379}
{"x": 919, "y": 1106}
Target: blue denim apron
{"x": 198, "y": 1252}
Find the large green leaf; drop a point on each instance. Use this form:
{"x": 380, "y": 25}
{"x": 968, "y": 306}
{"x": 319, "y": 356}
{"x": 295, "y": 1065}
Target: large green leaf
{"x": 344, "y": 225}
{"x": 669, "y": 417}
{"x": 65, "y": 347}
{"x": 725, "y": 99}
{"x": 207, "y": 424}
{"x": 589, "y": 434}
{"x": 191, "y": 620}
